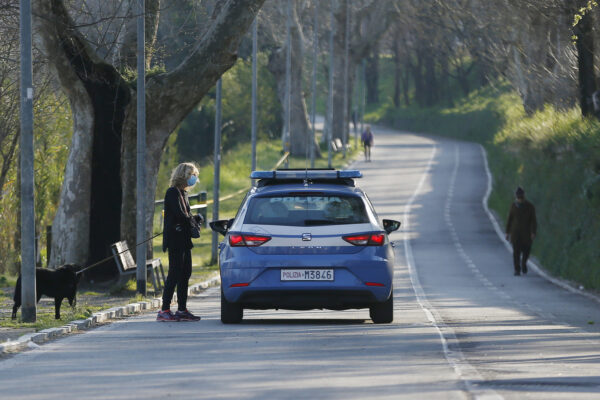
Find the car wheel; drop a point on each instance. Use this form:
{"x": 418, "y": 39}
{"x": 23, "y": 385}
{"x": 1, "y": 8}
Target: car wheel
{"x": 383, "y": 313}
{"x": 231, "y": 313}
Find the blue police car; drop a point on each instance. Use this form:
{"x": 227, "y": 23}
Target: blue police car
{"x": 306, "y": 239}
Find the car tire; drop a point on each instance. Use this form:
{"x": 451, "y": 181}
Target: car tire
{"x": 383, "y": 313}
{"x": 231, "y": 313}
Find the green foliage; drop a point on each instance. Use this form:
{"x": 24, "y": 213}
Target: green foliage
{"x": 554, "y": 155}
{"x": 195, "y": 138}
{"x": 130, "y": 74}
{"x": 451, "y": 96}
{"x": 46, "y": 319}
{"x": 8, "y": 280}
{"x": 584, "y": 10}
{"x": 476, "y": 117}
{"x": 52, "y": 135}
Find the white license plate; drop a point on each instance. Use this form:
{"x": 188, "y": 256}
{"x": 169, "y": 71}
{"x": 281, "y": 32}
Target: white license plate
{"x": 307, "y": 274}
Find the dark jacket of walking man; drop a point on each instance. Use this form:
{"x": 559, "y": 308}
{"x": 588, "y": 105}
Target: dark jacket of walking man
{"x": 521, "y": 229}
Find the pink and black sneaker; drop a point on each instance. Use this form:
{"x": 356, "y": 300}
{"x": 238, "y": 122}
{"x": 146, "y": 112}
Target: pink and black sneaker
{"x": 186, "y": 316}
{"x": 166, "y": 316}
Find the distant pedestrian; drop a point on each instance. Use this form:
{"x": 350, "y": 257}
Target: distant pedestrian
{"x": 367, "y": 141}
{"x": 521, "y": 229}
{"x": 177, "y": 239}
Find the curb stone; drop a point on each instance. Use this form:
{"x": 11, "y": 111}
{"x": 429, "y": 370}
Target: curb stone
{"x": 34, "y": 339}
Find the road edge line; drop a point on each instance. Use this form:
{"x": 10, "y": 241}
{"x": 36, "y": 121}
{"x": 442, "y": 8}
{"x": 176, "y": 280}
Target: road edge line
{"x": 530, "y": 263}
{"x": 455, "y": 357}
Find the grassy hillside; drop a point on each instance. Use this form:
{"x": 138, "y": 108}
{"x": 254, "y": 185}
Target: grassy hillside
{"x": 554, "y": 155}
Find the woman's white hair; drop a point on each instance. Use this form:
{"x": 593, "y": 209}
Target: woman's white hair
{"x": 182, "y": 173}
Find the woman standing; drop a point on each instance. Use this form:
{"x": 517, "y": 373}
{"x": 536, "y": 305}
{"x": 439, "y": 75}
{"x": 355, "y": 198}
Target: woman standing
{"x": 177, "y": 239}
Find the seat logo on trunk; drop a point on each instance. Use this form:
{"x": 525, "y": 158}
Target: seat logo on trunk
{"x": 306, "y": 237}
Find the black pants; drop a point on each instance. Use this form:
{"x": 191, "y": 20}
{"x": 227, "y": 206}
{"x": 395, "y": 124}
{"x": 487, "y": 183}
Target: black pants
{"x": 180, "y": 270}
{"x": 520, "y": 255}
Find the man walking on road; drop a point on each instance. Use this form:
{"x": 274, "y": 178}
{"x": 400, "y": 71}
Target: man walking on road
{"x": 521, "y": 229}
{"x": 367, "y": 140}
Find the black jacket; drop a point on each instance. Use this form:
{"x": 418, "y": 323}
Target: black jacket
{"x": 176, "y": 231}
{"x": 521, "y": 222}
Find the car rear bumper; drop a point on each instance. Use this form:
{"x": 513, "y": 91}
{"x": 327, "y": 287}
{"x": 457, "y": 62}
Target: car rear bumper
{"x": 255, "y": 281}
{"x": 307, "y": 299}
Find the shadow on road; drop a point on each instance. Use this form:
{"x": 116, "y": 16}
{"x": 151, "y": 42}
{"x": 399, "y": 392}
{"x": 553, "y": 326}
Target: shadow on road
{"x": 295, "y": 321}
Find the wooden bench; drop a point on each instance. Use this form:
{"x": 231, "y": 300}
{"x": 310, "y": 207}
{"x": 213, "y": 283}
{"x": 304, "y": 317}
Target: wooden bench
{"x": 127, "y": 265}
{"x": 337, "y": 145}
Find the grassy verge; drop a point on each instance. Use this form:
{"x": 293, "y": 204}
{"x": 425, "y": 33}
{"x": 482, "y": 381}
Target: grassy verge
{"x": 554, "y": 155}
{"x": 88, "y": 302}
{"x": 46, "y": 319}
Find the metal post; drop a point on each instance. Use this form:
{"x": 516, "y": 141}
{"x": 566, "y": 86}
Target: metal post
{"x": 346, "y": 61}
{"x": 217, "y": 173}
{"x": 330, "y": 100}
{"x": 313, "y": 107}
{"x": 141, "y": 150}
{"x": 364, "y": 95}
{"x": 355, "y": 107}
{"x": 203, "y": 211}
{"x": 254, "y": 91}
{"x": 28, "y": 289}
{"x": 288, "y": 81}
{"x": 48, "y": 243}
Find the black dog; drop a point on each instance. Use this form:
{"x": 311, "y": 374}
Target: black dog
{"x": 59, "y": 283}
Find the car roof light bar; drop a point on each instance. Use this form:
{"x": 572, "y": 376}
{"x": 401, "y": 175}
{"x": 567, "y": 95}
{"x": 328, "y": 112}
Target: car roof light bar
{"x": 262, "y": 175}
{"x": 350, "y": 173}
{"x": 306, "y": 174}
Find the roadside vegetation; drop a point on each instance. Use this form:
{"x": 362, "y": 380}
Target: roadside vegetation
{"x": 553, "y": 154}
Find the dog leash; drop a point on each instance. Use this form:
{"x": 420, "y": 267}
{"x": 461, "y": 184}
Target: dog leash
{"x": 113, "y": 256}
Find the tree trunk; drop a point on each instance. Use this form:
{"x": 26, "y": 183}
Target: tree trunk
{"x": 406, "y": 82}
{"x": 372, "y": 78}
{"x": 431, "y": 85}
{"x": 98, "y": 198}
{"x": 397, "y": 72}
{"x": 171, "y": 96}
{"x": 463, "y": 79}
{"x": 585, "y": 62}
{"x": 339, "y": 123}
{"x": 418, "y": 78}
{"x": 367, "y": 28}
{"x": 300, "y": 129}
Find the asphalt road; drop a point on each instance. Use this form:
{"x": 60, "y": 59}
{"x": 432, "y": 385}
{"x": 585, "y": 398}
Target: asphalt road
{"x": 464, "y": 326}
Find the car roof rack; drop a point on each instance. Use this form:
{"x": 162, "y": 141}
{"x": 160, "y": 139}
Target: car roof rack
{"x": 308, "y": 175}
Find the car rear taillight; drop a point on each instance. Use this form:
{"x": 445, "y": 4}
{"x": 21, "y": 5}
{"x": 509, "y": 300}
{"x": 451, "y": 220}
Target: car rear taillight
{"x": 242, "y": 240}
{"x": 236, "y": 240}
{"x": 376, "y": 239}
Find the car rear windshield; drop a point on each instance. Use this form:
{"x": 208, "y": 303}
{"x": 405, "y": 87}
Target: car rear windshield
{"x": 306, "y": 210}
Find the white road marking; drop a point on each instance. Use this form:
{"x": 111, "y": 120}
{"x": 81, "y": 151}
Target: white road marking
{"x": 473, "y": 267}
{"x": 466, "y": 372}
{"x": 531, "y": 264}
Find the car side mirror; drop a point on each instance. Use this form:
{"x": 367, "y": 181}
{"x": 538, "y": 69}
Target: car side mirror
{"x": 390, "y": 225}
{"x": 221, "y": 226}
